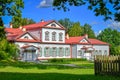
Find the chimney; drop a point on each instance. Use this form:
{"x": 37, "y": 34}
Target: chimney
{"x": 67, "y": 36}
{"x": 86, "y": 36}
{"x": 11, "y": 26}
{"x": 20, "y": 27}
{"x": 24, "y": 29}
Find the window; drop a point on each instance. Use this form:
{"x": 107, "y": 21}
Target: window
{"x": 105, "y": 52}
{"x": 67, "y": 51}
{"x": 61, "y": 52}
{"x": 47, "y": 36}
{"x": 53, "y": 25}
{"x": 100, "y": 52}
{"x": 79, "y": 53}
{"x": 26, "y": 37}
{"x": 96, "y": 52}
{"x": 40, "y": 52}
{"x": 53, "y": 36}
{"x": 46, "y": 52}
{"x": 54, "y": 52}
{"x": 60, "y": 36}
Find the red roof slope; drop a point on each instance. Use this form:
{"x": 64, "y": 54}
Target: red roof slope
{"x": 41, "y": 25}
{"x": 76, "y": 40}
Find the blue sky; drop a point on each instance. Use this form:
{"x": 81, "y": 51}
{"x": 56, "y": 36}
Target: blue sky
{"x": 42, "y": 9}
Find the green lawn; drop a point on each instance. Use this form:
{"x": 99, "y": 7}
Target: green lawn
{"x": 31, "y": 71}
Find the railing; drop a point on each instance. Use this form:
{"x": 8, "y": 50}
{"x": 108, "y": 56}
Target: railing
{"x": 107, "y": 65}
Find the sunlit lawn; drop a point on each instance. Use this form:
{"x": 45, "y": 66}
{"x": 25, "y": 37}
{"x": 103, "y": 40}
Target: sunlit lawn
{"x": 47, "y": 72}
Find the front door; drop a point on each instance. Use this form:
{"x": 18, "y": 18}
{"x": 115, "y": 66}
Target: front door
{"x": 29, "y": 55}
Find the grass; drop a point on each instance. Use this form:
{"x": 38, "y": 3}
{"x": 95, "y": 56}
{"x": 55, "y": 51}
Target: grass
{"x": 32, "y": 71}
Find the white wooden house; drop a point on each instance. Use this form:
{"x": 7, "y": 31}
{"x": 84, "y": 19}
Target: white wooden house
{"x": 47, "y": 39}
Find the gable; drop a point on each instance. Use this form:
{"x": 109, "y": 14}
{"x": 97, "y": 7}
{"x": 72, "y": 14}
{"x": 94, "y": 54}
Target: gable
{"x": 54, "y": 25}
{"x": 26, "y": 36}
{"x": 84, "y": 41}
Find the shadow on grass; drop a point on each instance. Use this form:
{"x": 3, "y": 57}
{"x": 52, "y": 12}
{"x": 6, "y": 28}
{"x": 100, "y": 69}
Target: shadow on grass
{"x": 51, "y": 76}
{"x": 27, "y": 65}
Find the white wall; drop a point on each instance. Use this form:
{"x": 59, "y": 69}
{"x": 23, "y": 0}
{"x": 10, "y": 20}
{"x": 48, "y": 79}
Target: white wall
{"x": 50, "y": 35}
{"x": 96, "y": 47}
{"x": 44, "y": 46}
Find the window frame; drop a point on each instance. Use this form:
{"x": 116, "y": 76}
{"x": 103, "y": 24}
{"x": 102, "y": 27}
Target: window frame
{"x": 47, "y": 36}
{"x": 53, "y": 36}
{"x": 60, "y": 36}
{"x": 54, "y": 52}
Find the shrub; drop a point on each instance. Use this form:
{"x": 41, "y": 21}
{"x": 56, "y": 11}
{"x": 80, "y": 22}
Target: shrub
{"x": 3, "y": 55}
{"x": 65, "y": 60}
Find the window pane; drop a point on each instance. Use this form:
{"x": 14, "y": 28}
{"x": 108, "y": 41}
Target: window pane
{"x": 67, "y": 52}
{"x": 53, "y": 36}
{"x": 61, "y": 52}
{"x": 47, "y": 35}
{"x": 54, "y": 52}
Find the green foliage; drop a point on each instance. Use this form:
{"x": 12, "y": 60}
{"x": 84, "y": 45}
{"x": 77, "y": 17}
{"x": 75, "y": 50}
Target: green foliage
{"x": 86, "y": 29}
{"x": 3, "y": 55}
{"x": 75, "y": 30}
{"x": 112, "y": 37}
{"x": 2, "y": 33}
{"x": 8, "y": 50}
{"x": 100, "y": 7}
{"x": 66, "y": 23}
{"x": 11, "y": 7}
{"x": 18, "y": 21}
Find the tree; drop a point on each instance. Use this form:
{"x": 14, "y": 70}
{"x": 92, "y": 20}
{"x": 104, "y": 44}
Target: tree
{"x": 66, "y": 23}
{"x": 11, "y": 7}
{"x": 2, "y": 33}
{"x": 8, "y": 50}
{"x": 87, "y": 30}
{"x": 17, "y": 22}
{"x": 75, "y": 30}
{"x": 100, "y": 7}
{"x": 112, "y": 37}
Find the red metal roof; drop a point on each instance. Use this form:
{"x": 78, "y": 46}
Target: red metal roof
{"x": 41, "y": 25}
{"x": 76, "y": 40}
{"x": 15, "y": 33}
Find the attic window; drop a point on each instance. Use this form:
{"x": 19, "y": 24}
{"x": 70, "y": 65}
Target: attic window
{"x": 26, "y": 37}
{"x": 53, "y": 25}
{"x": 84, "y": 41}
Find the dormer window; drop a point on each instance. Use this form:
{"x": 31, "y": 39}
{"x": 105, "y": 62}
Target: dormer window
{"x": 26, "y": 37}
{"x": 53, "y": 25}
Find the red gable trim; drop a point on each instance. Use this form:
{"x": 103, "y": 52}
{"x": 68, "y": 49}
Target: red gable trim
{"x": 42, "y": 25}
{"x": 27, "y": 33}
{"x": 26, "y": 46}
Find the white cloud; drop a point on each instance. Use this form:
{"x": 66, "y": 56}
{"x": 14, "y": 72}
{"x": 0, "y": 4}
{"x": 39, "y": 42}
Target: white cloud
{"x": 6, "y": 25}
{"x": 94, "y": 23}
{"x": 45, "y": 4}
{"x": 114, "y": 25}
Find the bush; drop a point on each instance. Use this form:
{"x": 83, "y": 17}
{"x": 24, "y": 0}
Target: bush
{"x": 3, "y": 55}
{"x": 65, "y": 60}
